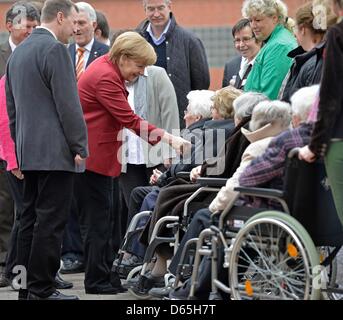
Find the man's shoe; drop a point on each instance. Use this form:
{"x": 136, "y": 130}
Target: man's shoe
{"x": 147, "y": 282}
{"x": 180, "y": 293}
{"x": 62, "y": 284}
{"x": 72, "y": 266}
{"x": 106, "y": 290}
{"x": 54, "y": 296}
{"x": 160, "y": 292}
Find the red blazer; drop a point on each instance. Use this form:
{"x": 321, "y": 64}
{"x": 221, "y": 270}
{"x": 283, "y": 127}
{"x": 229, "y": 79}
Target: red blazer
{"x": 104, "y": 102}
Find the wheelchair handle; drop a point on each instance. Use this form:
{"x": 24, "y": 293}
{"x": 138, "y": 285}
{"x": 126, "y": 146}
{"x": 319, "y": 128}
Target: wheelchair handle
{"x": 293, "y": 153}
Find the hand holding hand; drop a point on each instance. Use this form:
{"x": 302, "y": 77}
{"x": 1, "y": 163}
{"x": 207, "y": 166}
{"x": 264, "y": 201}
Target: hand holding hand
{"x": 180, "y": 145}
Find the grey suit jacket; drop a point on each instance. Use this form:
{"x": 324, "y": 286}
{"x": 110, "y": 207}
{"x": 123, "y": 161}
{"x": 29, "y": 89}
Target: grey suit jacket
{"x": 5, "y": 52}
{"x": 43, "y": 105}
{"x": 231, "y": 69}
{"x": 161, "y": 107}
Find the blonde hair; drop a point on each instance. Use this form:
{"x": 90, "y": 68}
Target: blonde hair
{"x": 316, "y": 15}
{"x": 223, "y": 101}
{"x": 268, "y": 8}
{"x": 133, "y": 46}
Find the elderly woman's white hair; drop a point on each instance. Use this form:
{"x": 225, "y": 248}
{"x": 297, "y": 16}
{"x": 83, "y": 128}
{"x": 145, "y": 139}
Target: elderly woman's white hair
{"x": 302, "y": 101}
{"x": 244, "y": 104}
{"x": 270, "y": 112}
{"x": 200, "y": 102}
{"x": 266, "y": 8}
{"x": 86, "y": 7}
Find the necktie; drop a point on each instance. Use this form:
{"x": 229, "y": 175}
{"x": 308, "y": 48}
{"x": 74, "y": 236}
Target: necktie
{"x": 241, "y": 82}
{"x": 80, "y": 62}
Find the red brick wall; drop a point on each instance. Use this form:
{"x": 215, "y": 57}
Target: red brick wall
{"x": 189, "y": 13}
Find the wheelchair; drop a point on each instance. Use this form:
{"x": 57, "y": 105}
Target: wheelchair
{"x": 270, "y": 254}
{"x": 174, "y": 225}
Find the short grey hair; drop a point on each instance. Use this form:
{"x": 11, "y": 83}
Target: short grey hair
{"x": 244, "y": 104}
{"x": 302, "y": 101}
{"x": 165, "y": 2}
{"x": 271, "y": 112}
{"x": 200, "y": 102}
{"x": 86, "y": 7}
{"x": 266, "y": 8}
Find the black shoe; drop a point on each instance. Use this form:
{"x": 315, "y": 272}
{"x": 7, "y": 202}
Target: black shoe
{"x": 106, "y": 290}
{"x": 54, "y": 296}
{"x": 124, "y": 267}
{"x": 180, "y": 293}
{"x": 147, "y": 282}
{"x": 160, "y": 292}
{"x": 72, "y": 266}
{"x": 62, "y": 284}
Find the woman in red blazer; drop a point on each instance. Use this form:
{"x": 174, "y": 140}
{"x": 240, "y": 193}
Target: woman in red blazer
{"x": 106, "y": 110}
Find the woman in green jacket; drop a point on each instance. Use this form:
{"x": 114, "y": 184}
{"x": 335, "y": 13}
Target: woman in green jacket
{"x": 270, "y": 24}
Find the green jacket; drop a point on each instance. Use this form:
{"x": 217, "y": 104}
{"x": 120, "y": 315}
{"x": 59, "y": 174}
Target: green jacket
{"x": 272, "y": 63}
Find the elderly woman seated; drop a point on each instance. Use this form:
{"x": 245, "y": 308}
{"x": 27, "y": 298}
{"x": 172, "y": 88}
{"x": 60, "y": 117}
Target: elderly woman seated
{"x": 269, "y": 118}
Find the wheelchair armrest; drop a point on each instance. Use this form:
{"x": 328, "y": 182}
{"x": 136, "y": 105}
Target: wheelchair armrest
{"x": 260, "y": 192}
{"x": 211, "y": 182}
{"x": 293, "y": 153}
{"x": 183, "y": 175}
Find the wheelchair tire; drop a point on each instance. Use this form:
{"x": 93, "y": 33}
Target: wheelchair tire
{"x": 291, "y": 277}
{"x": 133, "y": 274}
{"x": 330, "y": 274}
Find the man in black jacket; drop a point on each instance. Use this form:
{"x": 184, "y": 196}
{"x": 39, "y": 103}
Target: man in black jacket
{"x": 179, "y": 52}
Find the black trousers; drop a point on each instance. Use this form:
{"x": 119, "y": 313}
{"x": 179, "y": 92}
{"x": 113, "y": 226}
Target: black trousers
{"x": 6, "y": 216}
{"x": 93, "y": 193}
{"x": 72, "y": 246}
{"x": 136, "y": 199}
{"x": 200, "y": 221}
{"x": 47, "y": 201}
{"x": 16, "y": 188}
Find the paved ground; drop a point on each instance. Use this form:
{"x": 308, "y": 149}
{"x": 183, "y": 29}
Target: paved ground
{"x": 78, "y": 289}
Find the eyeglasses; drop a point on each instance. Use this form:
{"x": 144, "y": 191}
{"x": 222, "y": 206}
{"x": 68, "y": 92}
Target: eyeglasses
{"x": 244, "y": 40}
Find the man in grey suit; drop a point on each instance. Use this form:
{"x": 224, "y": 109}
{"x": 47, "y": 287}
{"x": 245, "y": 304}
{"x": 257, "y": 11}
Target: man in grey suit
{"x": 19, "y": 29}
{"x": 50, "y": 135}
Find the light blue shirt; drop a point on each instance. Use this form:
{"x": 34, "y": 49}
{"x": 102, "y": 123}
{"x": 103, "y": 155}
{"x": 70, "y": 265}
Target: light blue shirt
{"x": 162, "y": 38}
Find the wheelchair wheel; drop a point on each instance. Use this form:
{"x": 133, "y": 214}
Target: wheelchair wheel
{"x": 329, "y": 273}
{"x": 272, "y": 260}
{"x": 135, "y": 273}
